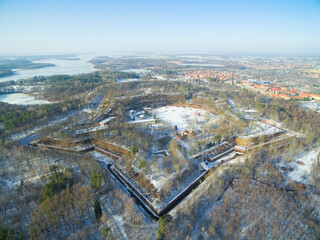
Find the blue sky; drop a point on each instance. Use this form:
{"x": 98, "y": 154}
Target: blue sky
{"x": 70, "y": 26}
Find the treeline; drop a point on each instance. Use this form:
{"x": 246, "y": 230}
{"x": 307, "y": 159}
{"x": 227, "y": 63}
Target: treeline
{"x": 128, "y": 63}
{"x": 290, "y": 113}
{"x": 65, "y": 86}
{"x": 14, "y": 116}
{"x": 8, "y": 84}
{"x": 14, "y": 119}
{"x": 9, "y": 64}
{"x": 294, "y": 117}
{"x": 138, "y": 88}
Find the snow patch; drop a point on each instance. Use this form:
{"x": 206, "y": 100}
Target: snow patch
{"x": 183, "y": 117}
{"x": 302, "y": 166}
{"x": 124, "y": 80}
{"x": 300, "y": 169}
{"x": 21, "y": 99}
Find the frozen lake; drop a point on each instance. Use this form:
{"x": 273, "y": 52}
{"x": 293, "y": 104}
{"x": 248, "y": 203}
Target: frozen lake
{"x": 21, "y": 99}
{"x": 63, "y": 66}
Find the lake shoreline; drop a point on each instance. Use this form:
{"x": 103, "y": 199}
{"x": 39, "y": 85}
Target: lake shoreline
{"x": 52, "y": 66}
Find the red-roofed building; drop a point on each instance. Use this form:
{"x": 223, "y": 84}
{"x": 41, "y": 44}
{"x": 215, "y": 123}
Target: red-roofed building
{"x": 262, "y": 87}
{"x": 293, "y": 91}
{"x": 298, "y": 97}
{"x": 315, "y": 96}
{"x": 285, "y": 96}
{"x": 304, "y": 95}
{"x": 274, "y": 95}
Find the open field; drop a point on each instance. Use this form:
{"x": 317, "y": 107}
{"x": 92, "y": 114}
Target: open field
{"x": 183, "y": 117}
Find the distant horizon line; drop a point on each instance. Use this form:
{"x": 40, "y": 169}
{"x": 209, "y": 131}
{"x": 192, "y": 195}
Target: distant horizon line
{"x": 147, "y": 52}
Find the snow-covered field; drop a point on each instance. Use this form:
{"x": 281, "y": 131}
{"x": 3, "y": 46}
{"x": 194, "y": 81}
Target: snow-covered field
{"x": 157, "y": 181}
{"x": 309, "y": 104}
{"x": 87, "y": 110}
{"x": 137, "y": 71}
{"x": 183, "y": 117}
{"x": 21, "y": 99}
{"x": 302, "y": 166}
{"x": 123, "y": 80}
{"x": 9, "y": 184}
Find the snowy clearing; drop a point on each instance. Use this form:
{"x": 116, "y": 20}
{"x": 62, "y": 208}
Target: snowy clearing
{"x": 302, "y": 166}
{"x": 259, "y": 128}
{"x": 87, "y": 110}
{"x": 136, "y": 71}
{"x": 123, "y": 80}
{"x": 183, "y": 117}
{"x": 9, "y": 184}
{"x": 21, "y": 99}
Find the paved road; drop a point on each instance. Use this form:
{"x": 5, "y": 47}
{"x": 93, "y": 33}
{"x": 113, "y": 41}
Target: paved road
{"x": 28, "y": 139}
{"x": 96, "y": 101}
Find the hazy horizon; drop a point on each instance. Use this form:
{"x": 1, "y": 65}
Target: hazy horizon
{"x": 35, "y": 27}
{"x": 161, "y": 53}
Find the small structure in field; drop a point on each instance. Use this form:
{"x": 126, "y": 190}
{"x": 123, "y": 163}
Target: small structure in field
{"x": 179, "y": 135}
{"x": 106, "y": 121}
{"x": 146, "y": 122}
{"x": 183, "y": 134}
{"x": 240, "y": 149}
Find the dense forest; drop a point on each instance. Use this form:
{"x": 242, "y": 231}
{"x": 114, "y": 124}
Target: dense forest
{"x": 63, "y": 87}
{"x": 75, "y": 199}
{"x": 16, "y": 118}
{"x": 287, "y": 112}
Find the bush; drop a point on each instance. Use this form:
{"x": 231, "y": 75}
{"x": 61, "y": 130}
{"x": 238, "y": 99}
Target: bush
{"x": 163, "y": 221}
{"x": 58, "y": 182}
{"x": 142, "y": 163}
{"x": 53, "y": 168}
{"x": 105, "y": 231}
{"x": 97, "y": 209}
{"x": 96, "y": 180}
